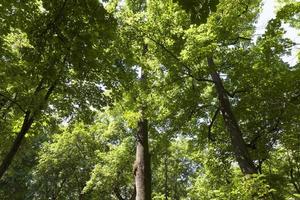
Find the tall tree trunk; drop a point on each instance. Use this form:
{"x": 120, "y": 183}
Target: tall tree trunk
{"x": 166, "y": 176}
{"x": 142, "y": 163}
{"x": 238, "y": 143}
{"x": 28, "y": 120}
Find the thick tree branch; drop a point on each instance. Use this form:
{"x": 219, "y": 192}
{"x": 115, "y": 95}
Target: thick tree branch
{"x": 28, "y": 120}
{"x": 209, "y": 133}
{"x": 237, "y": 141}
{"x": 51, "y": 89}
{"x": 27, "y": 123}
{"x": 293, "y": 180}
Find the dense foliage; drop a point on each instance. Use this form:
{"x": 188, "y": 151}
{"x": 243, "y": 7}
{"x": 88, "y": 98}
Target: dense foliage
{"x": 80, "y": 79}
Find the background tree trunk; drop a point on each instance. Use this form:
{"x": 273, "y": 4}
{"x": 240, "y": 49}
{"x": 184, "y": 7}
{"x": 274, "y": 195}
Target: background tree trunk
{"x": 28, "y": 120}
{"x": 142, "y": 163}
{"x": 166, "y": 176}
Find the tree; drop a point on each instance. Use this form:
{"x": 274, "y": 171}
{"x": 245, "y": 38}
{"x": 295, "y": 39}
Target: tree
{"x": 49, "y": 59}
{"x": 87, "y": 87}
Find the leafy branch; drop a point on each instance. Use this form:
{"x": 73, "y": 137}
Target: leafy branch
{"x": 173, "y": 55}
{"x": 14, "y": 102}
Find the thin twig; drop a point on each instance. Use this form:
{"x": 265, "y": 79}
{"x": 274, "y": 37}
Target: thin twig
{"x": 13, "y": 101}
{"x": 188, "y": 68}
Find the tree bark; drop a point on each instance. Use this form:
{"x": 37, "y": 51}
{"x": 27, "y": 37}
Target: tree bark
{"x": 238, "y": 143}
{"x": 142, "y": 168}
{"x": 28, "y": 120}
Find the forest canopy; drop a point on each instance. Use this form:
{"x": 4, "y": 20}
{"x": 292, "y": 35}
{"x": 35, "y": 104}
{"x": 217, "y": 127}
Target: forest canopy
{"x": 157, "y": 99}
